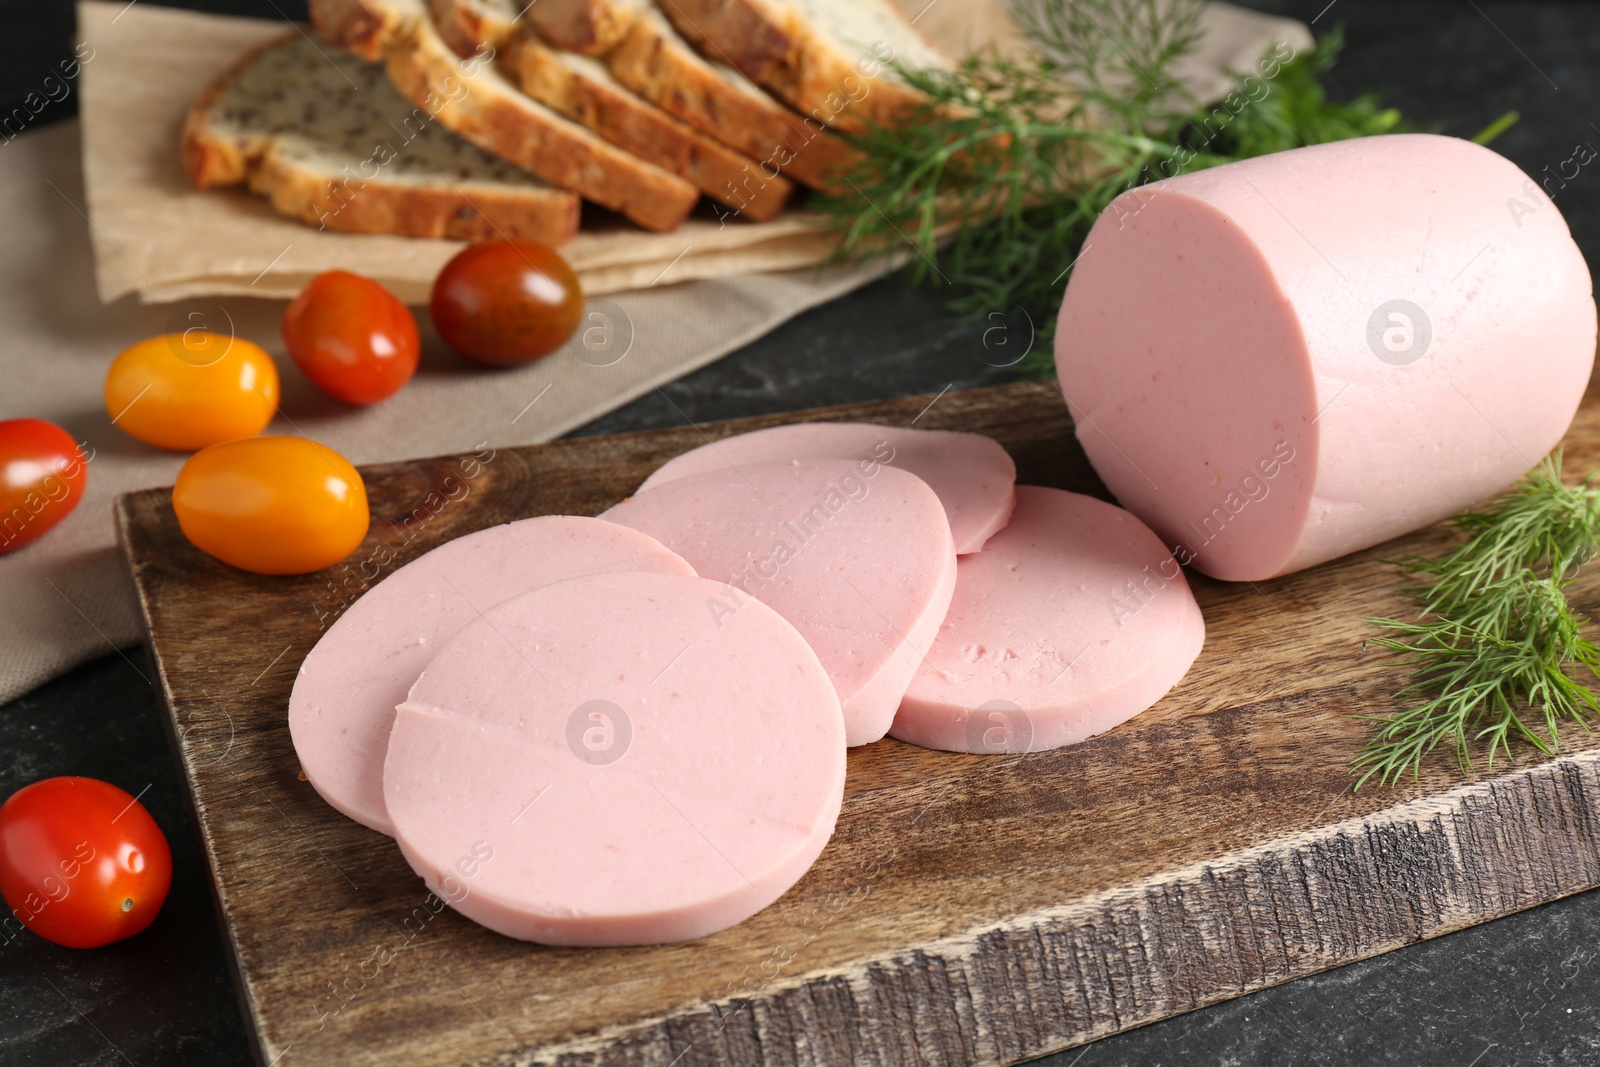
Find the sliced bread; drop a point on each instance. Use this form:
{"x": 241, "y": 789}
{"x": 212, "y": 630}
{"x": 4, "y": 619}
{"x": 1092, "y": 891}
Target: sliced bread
{"x": 649, "y": 57}
{"x": 656, "y": 62}
{"x": 830, "y": 59}
{"x": 584, "y": 91}
{"x": 472, "y": 98}
{"x": 327, "y": 140}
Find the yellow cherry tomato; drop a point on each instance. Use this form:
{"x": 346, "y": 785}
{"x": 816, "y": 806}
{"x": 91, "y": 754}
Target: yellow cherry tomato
{"x": 273, "y": 505}
{"x": 185, "y": 391}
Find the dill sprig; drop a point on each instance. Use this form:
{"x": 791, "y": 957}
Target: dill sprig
{"x": 997, "y": 178}
{"x": 1116, "y": 57}
{"x": 1495, "y": 638}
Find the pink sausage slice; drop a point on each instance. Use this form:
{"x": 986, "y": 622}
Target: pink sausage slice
{"x": 972, "y": 475}
{"x": 1289, "y": 358}
{"x": 343, "y": 701}
{"x": 855, "y": 554}
{"x": 1072, "y": 620}
{"x": 605, "y": 761}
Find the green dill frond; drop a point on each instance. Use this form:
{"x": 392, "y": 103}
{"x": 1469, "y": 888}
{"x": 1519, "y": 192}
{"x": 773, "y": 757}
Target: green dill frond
{"x": 1496, "y": 639}
{"x": 995, "y": 181}
{"x": 1294, "y": 110}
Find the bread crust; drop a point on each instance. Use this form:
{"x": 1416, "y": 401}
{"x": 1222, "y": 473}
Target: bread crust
{"x": 588, "y": 27}
{"x": 656, "y": 68}
{"x": 466, "y": 26}
{"x": 750, "y": 37}
{"x": 409, "y": 210}
{"x": 620, "y": 116}
{"x": 513, "y": 129}
{"x": 471, "y": 99}
{"x": 547, "y": 216}
{"x": 210, "y": 160}
{"x": 365, "y": 28}
{"x": 772, "y": 45}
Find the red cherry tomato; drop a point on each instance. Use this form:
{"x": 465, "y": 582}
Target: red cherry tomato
{"x": 352, "y": 337}
{"x": 506, "y": 302}
{"x": 82, "y": 863}
{"x": 42, "y": 476}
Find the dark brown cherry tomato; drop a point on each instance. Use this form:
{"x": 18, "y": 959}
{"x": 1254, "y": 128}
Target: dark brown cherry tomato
{"x": 82, "y": 863}
{"x": 42, "y": 475}
{"x": 506, "y": 302}
{"x": 352, "y": 337}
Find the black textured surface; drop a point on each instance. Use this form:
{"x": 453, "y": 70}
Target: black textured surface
{"x": 1520, "y": 991}
{"x": 162, "y": 997}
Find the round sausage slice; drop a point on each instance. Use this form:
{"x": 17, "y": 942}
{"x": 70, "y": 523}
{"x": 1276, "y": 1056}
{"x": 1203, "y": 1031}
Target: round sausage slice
{"x": 1075, "y": 618}
{"x": 972, "y": 475}
{"x": 857, "y": 555}
{"x": 342, "y": 705}
{"x": 1288, "y": 358}
{"x": 610, "y": 761}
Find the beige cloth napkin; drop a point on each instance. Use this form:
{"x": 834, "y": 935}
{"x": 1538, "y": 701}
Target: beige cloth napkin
{"x": 66, "y": 598}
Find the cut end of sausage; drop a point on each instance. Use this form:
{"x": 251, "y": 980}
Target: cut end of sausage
{"x": 1289, "y": 358}
{"x": 1189, "y": 381}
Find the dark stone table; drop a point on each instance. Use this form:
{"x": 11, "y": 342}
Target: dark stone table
{"x": 1522, "y": 990}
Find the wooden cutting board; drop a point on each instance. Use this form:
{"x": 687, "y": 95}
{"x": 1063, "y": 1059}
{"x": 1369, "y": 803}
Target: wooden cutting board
{"x": 969, "y": 909}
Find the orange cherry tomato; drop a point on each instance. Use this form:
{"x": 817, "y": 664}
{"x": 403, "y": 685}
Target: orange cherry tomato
{"x": 273, "y": 505}
{"x": 351, "y": 337}
{"x": 506, "y": 302}
{"x": 42, "y": 476}
{"x": 82, "y": 863}
{"x": 187, "y": 390}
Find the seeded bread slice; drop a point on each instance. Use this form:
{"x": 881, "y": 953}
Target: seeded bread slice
{"x": 656, "y": 62}
{"x": 472, "y": 98}
{"x": 829, "y": 59}
{"x": 327, "y": 140}
{"x": 584, "y": 91}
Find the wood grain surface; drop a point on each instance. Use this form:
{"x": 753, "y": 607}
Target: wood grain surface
{"x": 968, "y": 910}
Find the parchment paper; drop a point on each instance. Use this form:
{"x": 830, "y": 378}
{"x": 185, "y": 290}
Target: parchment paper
{"x": 160, "y": 238}
{"x": 66, "y": 598}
